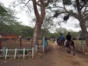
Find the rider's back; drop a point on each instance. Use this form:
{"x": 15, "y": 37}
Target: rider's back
{"x": 61, "y": 37}
{"x": 68, "y": 37}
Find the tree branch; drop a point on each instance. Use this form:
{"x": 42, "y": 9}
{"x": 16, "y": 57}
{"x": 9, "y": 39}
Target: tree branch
{"x": 66, "y": 11}
{"x": 78, "y": 7}
{"x": 27, "y": 2}
{"x": 71, "y": 13}
{"x": 28, "y": 7}
{"x": 85, "y": 18}
{"x": 35, "y": 9}
{"x": 84, "y": 11}
{"x": 82, "y": 6}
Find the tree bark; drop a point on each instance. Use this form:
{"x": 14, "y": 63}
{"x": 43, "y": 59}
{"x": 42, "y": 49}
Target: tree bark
{"x": 36, "y": 34}
{"x": 82, "y": 22}
{"x": 84, "y": 30}
{"x": 39, "y": 21}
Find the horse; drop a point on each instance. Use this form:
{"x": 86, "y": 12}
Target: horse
{"x": 61, "y": 44}
{"x": 70, "y": 46}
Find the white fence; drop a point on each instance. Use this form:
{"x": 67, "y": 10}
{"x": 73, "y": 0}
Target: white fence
{"x": 40, "y": 46}
{"x": 80, "y": 46}
{"x": 16, "y": 52}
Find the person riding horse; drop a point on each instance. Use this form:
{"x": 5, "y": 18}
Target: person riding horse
{"x": 70, "y": 44}
{"x": 68, "y": 38}
{"x": 61, "y": 40}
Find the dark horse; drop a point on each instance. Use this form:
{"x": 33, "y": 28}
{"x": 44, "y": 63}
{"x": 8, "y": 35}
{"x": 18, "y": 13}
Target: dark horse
{"x": 70, "y": 46}
{"x": 61, "y": 44}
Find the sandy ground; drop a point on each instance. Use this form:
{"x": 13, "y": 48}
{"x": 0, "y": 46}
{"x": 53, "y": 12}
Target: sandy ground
{"x": 52, "y": 57}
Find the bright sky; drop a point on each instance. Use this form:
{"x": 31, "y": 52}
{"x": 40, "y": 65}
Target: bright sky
{"x": 70, "y": 25}
{"x": 21, "y": 15}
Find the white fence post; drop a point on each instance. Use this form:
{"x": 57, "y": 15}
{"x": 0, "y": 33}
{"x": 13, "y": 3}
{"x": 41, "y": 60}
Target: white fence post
{"x": 32, "y": 52}
{"x": 23, "y": 53}
{"x": 15, "y": 53}
{"x": 36, "y": 48}
{"x": 43, "y": 48}
{"x": 6, "y": 53}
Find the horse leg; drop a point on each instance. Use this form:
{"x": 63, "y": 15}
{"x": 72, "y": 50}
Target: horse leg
{"x": 68, "y": 46}
{"x": 63, "y": 48}
{"x": 60, "y": 45}
{"x": 68, "y": 49}
{"x": 73, "y": 48}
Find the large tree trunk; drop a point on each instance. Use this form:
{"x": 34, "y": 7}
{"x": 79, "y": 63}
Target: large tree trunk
{"x": 82, "y": 22}
{"x": 36, "y": 34}
{"x": 39, "y": 20}
{"x": 84, "y": 30}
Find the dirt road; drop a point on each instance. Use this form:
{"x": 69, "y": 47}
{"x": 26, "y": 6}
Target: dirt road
{"x": 53, "y": 57}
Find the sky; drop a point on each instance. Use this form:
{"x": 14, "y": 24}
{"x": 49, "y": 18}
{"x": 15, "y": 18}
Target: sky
{"x": 70, "y": 25}
{"x": 20, "y": 14}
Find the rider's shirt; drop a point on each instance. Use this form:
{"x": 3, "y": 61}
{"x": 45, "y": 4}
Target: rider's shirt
{"x": 68, "y": 37}
{"x": 61, "y": 37}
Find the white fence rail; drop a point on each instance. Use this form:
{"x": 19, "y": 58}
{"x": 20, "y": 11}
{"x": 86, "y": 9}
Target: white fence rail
{"x": 16, "y": 52}
{"x": 36, "y": 47}
{"x": 80, "y": 46}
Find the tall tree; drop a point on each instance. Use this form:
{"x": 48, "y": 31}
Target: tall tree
{"x": 79, "y": 11}
{"x": 39, "y": 11}
{"x": 39, "y": 17}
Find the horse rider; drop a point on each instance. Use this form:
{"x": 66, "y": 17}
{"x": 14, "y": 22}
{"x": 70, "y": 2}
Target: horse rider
{"x": 60, "y": 38}
{"x": 68, "y": 38}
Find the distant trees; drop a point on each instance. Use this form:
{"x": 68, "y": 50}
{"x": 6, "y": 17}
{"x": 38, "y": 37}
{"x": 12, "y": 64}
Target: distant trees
{"x": 26, "y": 31}
{"x": 10, "y": 25}
{"x": 8, "y": 22}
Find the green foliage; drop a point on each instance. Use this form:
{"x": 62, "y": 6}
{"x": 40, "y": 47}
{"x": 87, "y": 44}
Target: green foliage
{"x": 58, "y": 31}
{"x": 8, "y": 22}
{"x": 74, "y": 34}
{"x": 2, "y": 9}
{"x": 67, "y": 2}
{"x": 81, "y": 35}
{"x": 10, "y": 25}
{"x": 26, "y": 31}
{"x": 84, "y": 1}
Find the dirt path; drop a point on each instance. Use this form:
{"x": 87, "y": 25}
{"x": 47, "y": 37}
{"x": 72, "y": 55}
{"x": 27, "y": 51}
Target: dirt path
{"x": 57, "y": 57}
{"x": 53, "y": 57}
{"x": 62, "y": 58}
